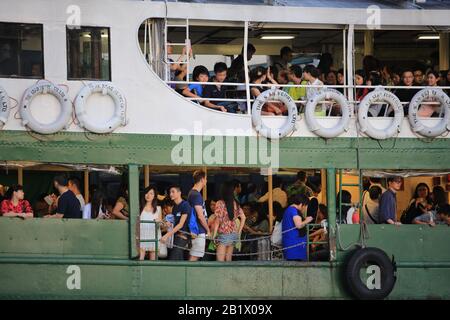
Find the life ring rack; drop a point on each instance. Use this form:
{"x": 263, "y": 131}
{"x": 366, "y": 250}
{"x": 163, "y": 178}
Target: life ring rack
{"x": 105, "y": 88}
{"x": 416, "y": 123}
{"x": 287, "y": 127}
{"x": 5, "y": 107}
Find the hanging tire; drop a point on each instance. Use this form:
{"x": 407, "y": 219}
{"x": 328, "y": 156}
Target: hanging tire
{"x": 105, "y": 88}
{"x": 288, "y": 126}
{"x": 363, "y": 119}
{"x": 417, "y": 125}
{"x": 5, "y": 108}
{"x": 381, "y": 273}
{"x": 46, "y": 87}
{"x": 341, "y": 126}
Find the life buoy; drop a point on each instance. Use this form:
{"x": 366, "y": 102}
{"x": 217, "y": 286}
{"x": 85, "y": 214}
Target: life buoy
{"x": 341, "y": 126}
{"x": 288, "y": 126}
{"x": 45, "y": 87}
{"x": 4, "y": 107}
{"x": 363, "y": 119}
{"x": 379, "y": 270}
{"x": 417, "y": 125}
{"x": 104, "y": 88}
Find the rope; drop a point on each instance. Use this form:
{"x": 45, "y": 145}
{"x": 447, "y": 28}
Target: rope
{"x": 363, "y": 236}
{"x": 243, "y": 254}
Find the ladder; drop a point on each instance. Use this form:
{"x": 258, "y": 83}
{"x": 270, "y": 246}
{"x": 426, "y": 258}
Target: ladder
{"x": 359, "y": 185}
{"x": 186, "y": 44}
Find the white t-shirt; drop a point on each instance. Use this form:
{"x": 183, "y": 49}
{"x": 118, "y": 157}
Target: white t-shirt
{"x": 87, "y": 212}
{"x": 82, "y": 203}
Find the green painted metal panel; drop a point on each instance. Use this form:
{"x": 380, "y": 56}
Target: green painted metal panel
{"x": 70, "y": 147}
{"x": 82, "y": 238}
{"x": 408, "y": 243}
{"x": 196, "y": 280}
{"x": 133, "y": 185}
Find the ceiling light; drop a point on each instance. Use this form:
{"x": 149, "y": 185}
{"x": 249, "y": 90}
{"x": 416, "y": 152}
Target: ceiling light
{"x": 277, "y": 37}
{"x": 428, "y": 37}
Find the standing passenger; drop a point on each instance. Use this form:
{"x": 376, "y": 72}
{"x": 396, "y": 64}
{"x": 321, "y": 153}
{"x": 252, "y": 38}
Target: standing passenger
{"x": 227, "y": 211}
{"x": 149, "y": 231}
{"x": 68, "y": 206}
{"x": 121, "y": 208}
{"x": 294, "y": 228}
{"x": 181, "y": 212}
{"x": 74, "y": 186}
{"x": 388, "y": 202}
{"x": 196, "y": 201}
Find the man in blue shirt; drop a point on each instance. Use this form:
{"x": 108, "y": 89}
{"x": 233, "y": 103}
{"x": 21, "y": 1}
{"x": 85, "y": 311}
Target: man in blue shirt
{"x": 388, "y": 202}
{"x": 180, "y": 230}
{"x": 195, "y": 200}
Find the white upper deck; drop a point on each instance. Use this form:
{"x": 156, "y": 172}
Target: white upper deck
{"x": 152, "y": 106}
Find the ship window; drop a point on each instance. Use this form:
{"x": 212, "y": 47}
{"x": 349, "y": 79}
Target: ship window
{"x": 88, "y": 54}
{"x": 21, "y": 53}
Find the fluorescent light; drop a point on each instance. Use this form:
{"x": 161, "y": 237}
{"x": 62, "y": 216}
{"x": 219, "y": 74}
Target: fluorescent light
{"x": 104, "y": 35}
{"x": 277, "y": 37}
{"x": 428, "y": 37}
{"x": 86, "y": 35}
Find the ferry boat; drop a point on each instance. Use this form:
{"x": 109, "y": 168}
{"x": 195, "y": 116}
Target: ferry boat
{"x": 86, "y": 87}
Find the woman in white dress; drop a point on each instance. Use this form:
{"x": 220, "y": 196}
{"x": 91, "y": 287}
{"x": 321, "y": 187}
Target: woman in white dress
{"x": 150, "y": 212}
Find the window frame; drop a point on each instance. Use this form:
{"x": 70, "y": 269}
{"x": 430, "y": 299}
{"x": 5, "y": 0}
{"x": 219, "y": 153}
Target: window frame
{"x": 42, "y": 52}
{"x": 109, "y": 78}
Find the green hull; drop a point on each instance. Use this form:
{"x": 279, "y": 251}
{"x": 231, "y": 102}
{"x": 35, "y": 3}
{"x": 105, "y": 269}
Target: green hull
{"x": 35, "y": 256}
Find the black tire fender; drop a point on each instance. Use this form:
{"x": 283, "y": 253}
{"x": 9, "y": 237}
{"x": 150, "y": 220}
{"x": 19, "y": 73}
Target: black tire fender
{"x": 381, "y": 271}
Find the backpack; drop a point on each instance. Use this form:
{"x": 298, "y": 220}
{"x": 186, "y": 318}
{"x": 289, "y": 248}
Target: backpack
{"x": 409, "y": 214}
{"x": 193, "y": 226}
{"x": 277, "y": 234}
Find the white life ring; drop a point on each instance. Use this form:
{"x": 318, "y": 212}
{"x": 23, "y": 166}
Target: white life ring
{"x": 341, "y": 126}
{"x": 5, "y": 108}
{"x": 417, "y": 125}
{"x": 45, "y": 87}
{"x": 104, "y": 88}
{"x": 363, "y": 108}
{"x": 289, "y": 125}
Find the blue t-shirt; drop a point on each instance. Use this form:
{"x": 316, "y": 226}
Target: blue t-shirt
{"x": 170, "y": 218}
{"x": 198, "y": 89}
{"x": 292, "y": 238}
{"x": 195, "y": 199}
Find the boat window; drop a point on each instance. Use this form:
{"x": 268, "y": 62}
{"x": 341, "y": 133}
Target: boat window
{"x": 88, "y": 53}
{"x": 188, "y": 54}
{"x": 358, "y": 195}
{"x": 21, "y": 53}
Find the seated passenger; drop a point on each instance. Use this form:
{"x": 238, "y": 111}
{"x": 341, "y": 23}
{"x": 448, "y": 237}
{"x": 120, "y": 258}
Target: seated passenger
{"x": 259, "y": 75}
{"x": 320, "y": 252}
{"x": 419, "y": 78}
{"x": 14, "y": 204}
{"x": 430, "y": 110}
{"x": 340, "y": 80}
{"x": 295, "y": 77}
{"x": 434, "y": 217}
{"x": 195, "y": 90}
{"x": 405, "y": 95}
{"x": 331, "y": 78}
{"x": 68, "y": 206}
{"x": 348, "y": 210}
{"x": 121, "y": 208}
{"x": 218, "y": 91}
{"x": 294, "y": 228}
{"x": 179, "y": 67}
{"x": 360, "y": 80}
{"x": 311, "y": 74}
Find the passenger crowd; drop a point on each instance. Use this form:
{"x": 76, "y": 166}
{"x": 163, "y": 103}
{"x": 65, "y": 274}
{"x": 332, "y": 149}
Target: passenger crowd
{"x": 235, "y": 224}
{"x": 282, "y": 72}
